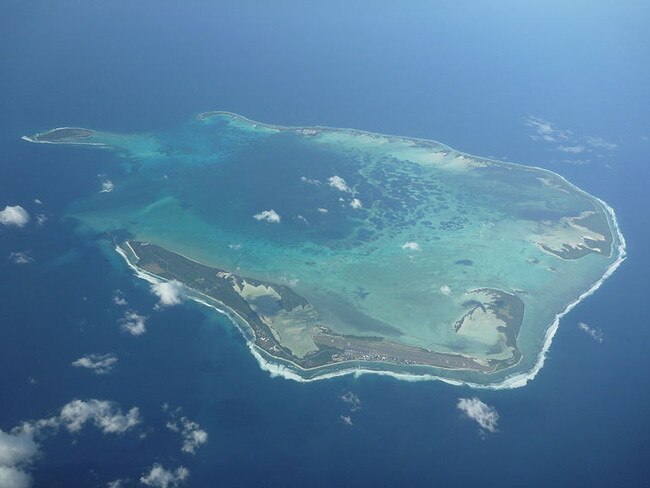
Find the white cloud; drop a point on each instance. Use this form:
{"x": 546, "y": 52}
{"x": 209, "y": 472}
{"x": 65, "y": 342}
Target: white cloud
{"x": 191, "y": 433}
{"x": 292, "y": 282}
{"x": 118, "y": 298}
{"x": 346, "y": 419}
{"x": 304, "y": 179}
{"x": 98, "y": 363}
{"x": 17, "y": 451}
{"x": 14, "y": 215}
{"x": 338, "y": 183}
{"x": 234, "y": 247}
{"x": 545, "y": 130}
{"x": 119, "y": 483}
{"x": 352, "y": 400}
{"x": 596, "y": 334}
{"x": 356, "y": 203}
{"x": 169, "y": 293}
{"x": 270, "y": 216}
{"x": 41, "y": 219}
{"x": 133, "y": 323}
{"x": 577, "y": 149}
{"x": 12, "y": 477}
{"x": 302, "y": 219}
{"x": 38, "y": 201}
{"x": 20, "y": 257}
{"x": 105, "y": 415}
{"x": 600, "y": 143}
{"x": 323, "y": 210}
{"x": 411, "y": 246}
{"x": 445, "y": 290}
{"x": 159, "y": 477}
{"x": 107, "y": 186}
{"x": 485, "y": 415}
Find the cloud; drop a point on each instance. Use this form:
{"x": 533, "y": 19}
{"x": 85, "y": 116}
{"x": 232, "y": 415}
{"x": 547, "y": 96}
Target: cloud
{"x": 105, "y": 415}
{"x": 37, "y": 201}
{"x": 356, "y": 203}
{"x": 572, "y": 149}
{"x": 485, "y": 415}
{"x": 596, "y": 334}
{"x": 20, "y": 257}
{"x": 133, "y": 323}
{"x": 304, "y": 179}
{"x": 169, "y": 293}
{"x": 107, "y": 186}
{"x": 18, "y": 449}
{"x": 346, "y": 419}
{"x": 15, "y": 215}
{"x": 98, "y": 363}
{"x": 41, "y": 219}
{"x": 600, "y": 143}
{"x": 118, "y": 298}
{"x": 323, "y": 210}
{"x": 270, "y": 216}
{"x": 411, "y": 246}
{"x": 234, "y": 247}
{"x": 567, "y": 142}
{"x": 352, "y": 400}
{"x": 119, "y": 483}
{"x": 545, "y": 130}
{"x": 445, "y": 290}
{"x": 12, "y": 477}
{"x": 17, "y": 452}
{"x": 338, "y": 183}
{"x": 302, "y": 219}
{"x": 191, "y": 433}
{"x": 159, "y": 477}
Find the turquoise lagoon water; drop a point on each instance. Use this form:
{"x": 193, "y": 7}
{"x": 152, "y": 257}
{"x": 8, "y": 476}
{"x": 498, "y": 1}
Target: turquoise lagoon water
{"x": 390, "y": 248}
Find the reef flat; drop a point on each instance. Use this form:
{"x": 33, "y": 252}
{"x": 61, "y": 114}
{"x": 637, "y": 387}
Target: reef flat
{"x": 275, "y": 313}
{"x": 338, "y": 250}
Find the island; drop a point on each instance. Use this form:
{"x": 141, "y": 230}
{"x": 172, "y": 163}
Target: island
{"x": 338, "y": 251}
{"x": 63, "y": 135}
{"x": 274, "y": 314}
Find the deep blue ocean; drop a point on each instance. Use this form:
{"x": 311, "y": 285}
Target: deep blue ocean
{"x": 468, "y": 74}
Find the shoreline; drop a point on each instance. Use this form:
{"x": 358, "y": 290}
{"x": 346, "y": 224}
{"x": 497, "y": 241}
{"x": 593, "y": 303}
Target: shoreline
{"x": 515, "y": 381}
{"x": 247, "y": 331}
{"x": 276, "y": 367}
{"x": 71, "y": 143}
{"x": 207, "y": 115}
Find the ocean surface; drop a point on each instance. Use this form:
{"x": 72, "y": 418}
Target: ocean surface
{"x": 560, "y": 87}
